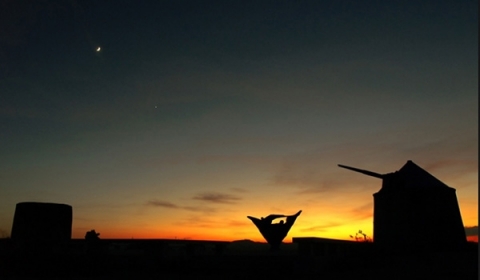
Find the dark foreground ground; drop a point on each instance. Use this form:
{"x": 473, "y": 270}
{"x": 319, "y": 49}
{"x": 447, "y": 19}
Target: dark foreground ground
{"x": 238, "y": 264}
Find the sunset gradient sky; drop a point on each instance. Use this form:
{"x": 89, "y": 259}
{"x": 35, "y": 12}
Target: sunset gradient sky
{"x": 195, "y": 114}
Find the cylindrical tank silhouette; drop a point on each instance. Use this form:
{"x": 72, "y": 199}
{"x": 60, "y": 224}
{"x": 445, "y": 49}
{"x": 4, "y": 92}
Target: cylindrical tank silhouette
{"x": 41, "y": 225}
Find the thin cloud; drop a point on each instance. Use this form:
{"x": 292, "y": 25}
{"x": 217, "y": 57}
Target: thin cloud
{"x": 236, "y": 223}
{"x": 310, "y": 191}
{"x": 212, "y": 222}
{"x": 199, "y": 209}
{"x": 311, "y": 173}
{"x": 244, "y": 159}
{"x": 165, "y": 204}
{"x": 449, "y": 163}
{"x": 292, "y": 174}
{"x": 362, "y": 212}
{"x": 200, "y": 222}
{"x": 217, "y": 198}
{"x": 321, "y": 227}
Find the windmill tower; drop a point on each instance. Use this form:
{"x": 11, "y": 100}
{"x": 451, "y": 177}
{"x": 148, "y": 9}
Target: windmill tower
{"x": 415, "y": 210}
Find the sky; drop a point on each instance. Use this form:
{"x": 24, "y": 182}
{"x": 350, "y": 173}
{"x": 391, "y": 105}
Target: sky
{"x": 193, "y": 115}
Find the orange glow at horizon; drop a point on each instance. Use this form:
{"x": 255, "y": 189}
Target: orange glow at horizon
{"x": 337, "y": 214}
{"x": 244, "y": 230}
{"x": 247, "y": 231}
{"x": 230, "y": 227}
{"x": 255, "y": 236}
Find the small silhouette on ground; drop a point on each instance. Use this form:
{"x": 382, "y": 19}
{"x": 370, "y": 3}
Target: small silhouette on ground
{"x": 274, "y": 233}
{"x": 92, "y": 235}
{"x": 93, "y": 245}
{"x": 360, "y": 236}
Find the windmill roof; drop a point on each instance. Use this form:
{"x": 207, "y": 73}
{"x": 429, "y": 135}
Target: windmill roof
{"x": 415, "y": 176}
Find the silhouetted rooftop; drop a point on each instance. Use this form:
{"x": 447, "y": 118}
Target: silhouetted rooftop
{"x": 415, "y": 176}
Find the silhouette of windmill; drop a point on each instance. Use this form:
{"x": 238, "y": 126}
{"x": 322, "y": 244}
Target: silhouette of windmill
{"x": 414, "y": 210}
